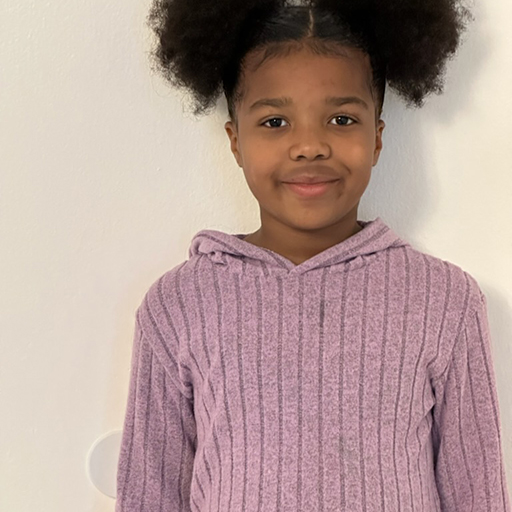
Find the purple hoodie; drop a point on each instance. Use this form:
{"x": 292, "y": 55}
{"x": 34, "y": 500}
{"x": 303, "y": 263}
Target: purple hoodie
{"x": 359, "y": 380}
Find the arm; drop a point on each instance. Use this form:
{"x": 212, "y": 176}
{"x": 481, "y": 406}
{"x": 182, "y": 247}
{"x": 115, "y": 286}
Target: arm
{"x": 468, "y": 459}
{"x": 158, "y": 443}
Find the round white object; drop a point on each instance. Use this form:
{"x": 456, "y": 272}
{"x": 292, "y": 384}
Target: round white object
{"x": 102, "y": 462}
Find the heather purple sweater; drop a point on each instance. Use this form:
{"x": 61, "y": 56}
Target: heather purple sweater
{"x": 360, "y": 380}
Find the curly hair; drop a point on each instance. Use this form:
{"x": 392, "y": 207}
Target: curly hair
{"x": 202, "y": 45}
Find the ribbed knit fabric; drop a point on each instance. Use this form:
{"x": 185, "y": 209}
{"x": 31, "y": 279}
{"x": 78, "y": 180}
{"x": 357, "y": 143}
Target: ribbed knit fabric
{"x": 359, "y": 380}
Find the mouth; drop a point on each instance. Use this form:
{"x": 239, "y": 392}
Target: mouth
{"x": 310, "y": 189}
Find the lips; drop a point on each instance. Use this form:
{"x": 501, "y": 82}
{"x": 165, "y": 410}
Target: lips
{"x": 305, "y": 180}
{"x": 311, "y": 190}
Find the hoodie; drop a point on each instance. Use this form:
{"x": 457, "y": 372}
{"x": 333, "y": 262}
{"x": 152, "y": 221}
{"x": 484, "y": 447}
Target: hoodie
{"x": 359, "y": 380}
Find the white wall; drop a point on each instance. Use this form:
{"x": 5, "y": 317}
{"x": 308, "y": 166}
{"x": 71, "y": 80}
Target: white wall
{"x": 103, "y": 183}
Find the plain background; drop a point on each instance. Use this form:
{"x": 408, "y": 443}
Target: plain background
{"x": 104, "y": 179}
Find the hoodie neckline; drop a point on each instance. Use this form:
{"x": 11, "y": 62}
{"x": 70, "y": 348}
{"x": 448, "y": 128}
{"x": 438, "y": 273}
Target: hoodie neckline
{"x": 238, "y": 255}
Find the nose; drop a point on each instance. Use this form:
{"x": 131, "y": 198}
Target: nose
{"x": 309, "y": 144}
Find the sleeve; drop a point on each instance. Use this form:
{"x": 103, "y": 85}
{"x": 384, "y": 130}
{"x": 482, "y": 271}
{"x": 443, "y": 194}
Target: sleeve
{"x": 158, "y": 443}
{"x": 468, "y": 458}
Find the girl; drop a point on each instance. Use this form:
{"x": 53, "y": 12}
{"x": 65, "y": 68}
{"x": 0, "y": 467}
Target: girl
{"x": 321, "y": 362}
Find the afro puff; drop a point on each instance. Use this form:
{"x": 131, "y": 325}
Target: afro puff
{"x": 201, "y": 45}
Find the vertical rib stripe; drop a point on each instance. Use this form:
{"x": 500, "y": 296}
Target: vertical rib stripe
{"x": 320, "y": 391}
{"x": 459, "y": 385}
{"x": 164, "y": 444}
{"x": 222, "y": 350}
{"x": 381, "y": 380}
{"x": 362, "y": 375}
{"x": 343, "y": 309}
{"x": 124, "y": 474}
{"x": 280, "y": 386}
{"x": 261, "y": 404}
{"x": 399, "y": 386}
{"x": 241, "y": 384}
{"x": 480, "y": 435}
{"x": 300, "y": 400}
{"x": 420, "y": 451}
{"x": 415, "y": 375}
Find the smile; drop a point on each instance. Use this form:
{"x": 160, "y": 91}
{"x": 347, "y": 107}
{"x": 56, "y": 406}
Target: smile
{"x": 311, "y": 189}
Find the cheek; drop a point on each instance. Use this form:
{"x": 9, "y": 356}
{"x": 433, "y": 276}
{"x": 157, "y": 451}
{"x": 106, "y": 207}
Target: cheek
{"x": 360, "y": 141}
{"x": 259, "y": 176}
{"x": 358, "y": 150}
{"x": 263, "y": 153}
{"x": 264, "y": 184}
{"x": 363, "y": 156}
{"x": 261, "y": 166}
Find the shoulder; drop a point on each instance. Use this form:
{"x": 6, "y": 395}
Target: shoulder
{"x": 157, "y": 311}
{"x": 448, "y": 296}
{"x": 161, "y": 317}
{"x": 461, "y": 288}
{"x": 168, "y": 300}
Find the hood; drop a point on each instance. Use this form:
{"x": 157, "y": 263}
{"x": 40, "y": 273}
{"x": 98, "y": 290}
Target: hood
{"x": 244, "y": 257}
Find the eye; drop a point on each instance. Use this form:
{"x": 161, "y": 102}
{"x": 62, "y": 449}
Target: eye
{"x": 346, "y": 118}
{"x": 273, "y": 119}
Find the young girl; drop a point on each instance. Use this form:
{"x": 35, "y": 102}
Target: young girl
{"x": 320, "y": 363}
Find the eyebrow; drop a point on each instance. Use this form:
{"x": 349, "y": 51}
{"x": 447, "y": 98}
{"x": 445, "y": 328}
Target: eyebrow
{"x": 336, "y": 101}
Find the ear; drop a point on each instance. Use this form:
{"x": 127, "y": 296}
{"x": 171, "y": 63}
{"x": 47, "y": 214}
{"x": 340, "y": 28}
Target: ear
{"x": 232, "y": 132}
{"x": 378, "y": 141}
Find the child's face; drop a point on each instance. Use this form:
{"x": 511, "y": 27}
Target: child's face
{"x": 307, "y": 133}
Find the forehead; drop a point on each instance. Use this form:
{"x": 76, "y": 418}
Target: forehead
{"x": 305, "y": 74}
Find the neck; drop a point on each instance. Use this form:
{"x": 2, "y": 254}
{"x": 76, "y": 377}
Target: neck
{"x": 299, "y": 245}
